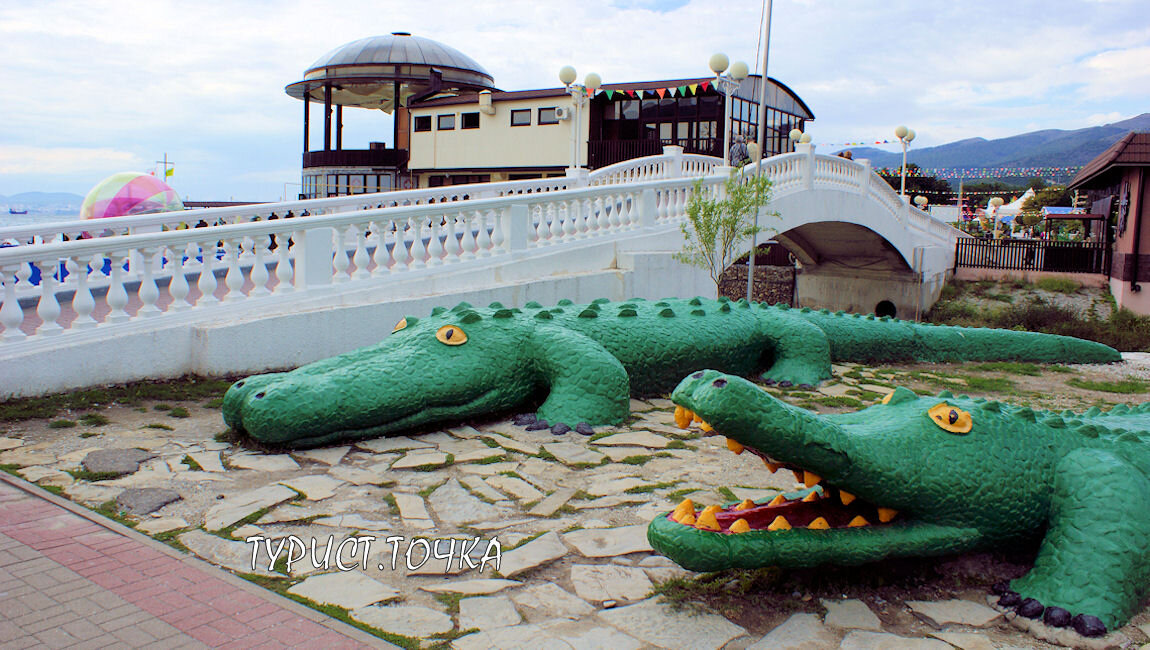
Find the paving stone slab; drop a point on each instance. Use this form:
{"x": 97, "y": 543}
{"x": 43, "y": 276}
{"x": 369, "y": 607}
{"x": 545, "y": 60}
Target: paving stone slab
{"x": 411, "y": 506}
{"x": 162, "y": 525}
{"x": 479, "y": 487}
{"x": 490, "y": 469}
{"x": 115, "y": 461}
{"x": 850, "y": 614}
{"x": 76, "y": 456}
{"x": 965, "y": 640}
{"x": 316, "y": 487}
{"x": 617, "y": 454}
{"x": 85, "y": 492}
{"x": 240, "y": 505}
{"x": 609, "y": 542}
{"x": 264, "y": 462}
{"x": 552, "y": 503}
{"x": 465, "y": 432}
{"x": 799, "y": 632}
{"x": 661, "y": 626}
{"x": 836, "y": 390}
{"x": 407, "y": 620}
{"x": 141, "y": 501}
{"x": 562, "y": 634}
{"x": 865, "y": 640}
{"x": 529, "y": 448}
{"x": 633, "y": 439}
{"x": 421, "y": 458}
{"x": 542, "y": 550}
{"x": 357, "y": 476}
{"x": 547, "y": 600}
{"x": 516, "y": 487}
{"x": 350, "y": 590}
{"x": 570, "y": 453}
{"x": 46, "y": 475}
{"x": 479, "y": 587}
{"x": 486, "y": 612}
{"x": 886, "y": 390}
{"x": 209, "y": 461}
{"x": 287, "y": 512}
{"x": 466, "y": 451}
{"x": 957, "y": 612}
{"x": 355, "y": 522}
{"x": 236, "y": 556}
{"x": 501, "y": 524}
{"x": 393, "y": 443}
{"x": 327, "y": 455}
{"x": 601, "y": 582}
{"x": 10, "y": 443}
{"x": 611, "y": 501}
{"x": 453, "y": 504}
{"x": 601, "y": 488}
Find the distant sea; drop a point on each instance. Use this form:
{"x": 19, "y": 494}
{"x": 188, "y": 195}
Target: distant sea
{"x": 33, "y": 216}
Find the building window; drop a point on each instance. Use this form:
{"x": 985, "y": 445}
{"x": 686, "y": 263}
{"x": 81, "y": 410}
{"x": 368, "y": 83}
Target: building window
{"x": 470, "y": 120}
{"x": 548, "y": 116}
{"x": 445, "y": 122}
{"x": 422, "y": 122}
{"x": 521, "y": 117}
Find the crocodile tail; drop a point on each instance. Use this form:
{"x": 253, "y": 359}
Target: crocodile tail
{"x": 948, "y": 343}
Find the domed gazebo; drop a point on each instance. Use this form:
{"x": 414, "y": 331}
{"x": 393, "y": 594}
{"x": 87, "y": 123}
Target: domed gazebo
{"x": 379, "y": 72}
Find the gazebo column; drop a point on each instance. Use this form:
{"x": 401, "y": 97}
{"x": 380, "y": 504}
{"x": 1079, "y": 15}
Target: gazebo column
{"x": 327, "y": 117}
{"x": 306, "y": 120}
{"x": 339, "y": 127}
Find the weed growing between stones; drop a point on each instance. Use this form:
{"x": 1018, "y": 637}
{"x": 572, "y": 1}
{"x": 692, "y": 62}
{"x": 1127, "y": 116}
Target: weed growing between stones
{"x": 1127, "y": 387}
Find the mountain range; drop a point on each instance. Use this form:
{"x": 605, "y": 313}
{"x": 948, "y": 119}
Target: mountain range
{"x": 1046, "y": 148}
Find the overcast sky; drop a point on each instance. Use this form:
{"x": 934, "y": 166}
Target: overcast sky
{"x": 96, "y": 87}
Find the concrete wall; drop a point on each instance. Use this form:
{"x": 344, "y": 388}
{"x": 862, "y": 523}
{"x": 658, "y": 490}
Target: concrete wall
{"x": 338, "y": 318}
{"x": 998, "y": 275}
{"x": 861, "y": 291}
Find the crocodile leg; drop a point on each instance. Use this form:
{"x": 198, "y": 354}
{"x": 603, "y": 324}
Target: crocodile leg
{"x": 802, "y": 352}
{"x": 587, "y": 383}
{"x": 1094, "y": 558}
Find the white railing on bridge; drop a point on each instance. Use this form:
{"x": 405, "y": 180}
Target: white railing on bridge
{"x": 96, "y": 282}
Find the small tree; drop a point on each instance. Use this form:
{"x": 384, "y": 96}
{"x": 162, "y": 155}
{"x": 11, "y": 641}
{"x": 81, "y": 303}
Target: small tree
{"x": 717, "y": 228}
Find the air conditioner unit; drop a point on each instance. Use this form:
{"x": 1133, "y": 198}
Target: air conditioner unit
{"x": 563, "y": 113}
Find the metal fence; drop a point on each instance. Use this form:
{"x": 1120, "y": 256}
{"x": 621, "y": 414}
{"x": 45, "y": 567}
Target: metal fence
{"x": 1033, "y": 255}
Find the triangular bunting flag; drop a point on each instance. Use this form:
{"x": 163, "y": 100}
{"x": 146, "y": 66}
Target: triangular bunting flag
{"x": 610, "y": 94}
{"x": 704, "y": 85}
{"x": 661, "y": 91}
{"x": 671, "y": 92}
{"x": 682, "y": 91}
{"x": 694, "y": 88}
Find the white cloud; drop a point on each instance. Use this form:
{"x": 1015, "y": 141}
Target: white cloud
{"x": 17, "y": 159}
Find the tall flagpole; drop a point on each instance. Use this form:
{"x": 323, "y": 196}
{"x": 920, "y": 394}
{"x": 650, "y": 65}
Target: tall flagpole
{"x": 767, "y": 7}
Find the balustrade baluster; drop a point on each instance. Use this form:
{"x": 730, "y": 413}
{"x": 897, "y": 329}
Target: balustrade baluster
{"x": 148, "y": 292}
{"x": 467, "y": 244}
{"x": 361, "y": 257}
{"x": 117, "y": 295}
{"x": 616, "y": 221}
{"x": 339, "y": 257}
{"x": 381, "y": 257}
{"x": 234, "y": 278}
{"x": 11, "y": 315}
{"x": 399, "y": 248}
{"x": 556, "y": 228}
{"x": 259, "y": 272}
{"x": 418, "y": 248}
{"x": 82, "y": 302}
{"x": 601, "y": 217}
{"x": 49, "y": 308}
{"x": 178, "y": 285}
{"x": 483, "y": 240}
{"x": 452, "y": 246}
{"x": 540, "y": 229}
{"x": 207, "y": 281}
{"x": 434, "y": 245}
{"x": 570, "y": 230}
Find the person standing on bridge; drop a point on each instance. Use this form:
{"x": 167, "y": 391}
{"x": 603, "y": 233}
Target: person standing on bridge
{"x": 739, "y": 156}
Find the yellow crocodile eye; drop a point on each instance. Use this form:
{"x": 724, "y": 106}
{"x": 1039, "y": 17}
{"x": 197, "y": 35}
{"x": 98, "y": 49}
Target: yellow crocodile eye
{"x": 949, "y": 418}
{"x": 400, "y": 325}
{"x": 451, "y": 335}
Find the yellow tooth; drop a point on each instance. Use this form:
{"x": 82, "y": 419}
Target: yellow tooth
{"x": 778, "y": 501}
{"x": 710, "y": 510}
{"x": 858, "y": 522}
{"x": 707, "y": 520}
{"x": 819, "y": 524}
{"x": 695, "y": 417}
{"x": 810, "y": 479}
{"x": 684, "y": 508}
{"x": 846, "y": 497}
{"x": 780, "y": 523}
{"x": 747, "y": 504}
{"x": 813, "y": 496}
{"x": 886, "y": 514}
{"x": 683, "y": 417}
{"x": 798, "y": 475}
{"x": 740, "y": 526}
{"x": 687, "y": 520}
{"x": 705, "y": 427}
{"x": 735, "y": 446}
{"x": 773, "y": 467}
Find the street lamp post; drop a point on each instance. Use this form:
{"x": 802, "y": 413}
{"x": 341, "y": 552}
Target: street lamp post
{"x": 578, "y": 97}
{"x": 727, "y": 84}
{"x": 921, "y": 201}
{"x": 994, "y": 205}
{"x": 904, "y": 136}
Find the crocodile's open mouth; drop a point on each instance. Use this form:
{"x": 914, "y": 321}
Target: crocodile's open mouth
{"x": 818, "y": 507}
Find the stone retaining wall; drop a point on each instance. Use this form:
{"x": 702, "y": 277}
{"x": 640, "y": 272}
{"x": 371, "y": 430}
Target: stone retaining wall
{"x": 773, "y": 284}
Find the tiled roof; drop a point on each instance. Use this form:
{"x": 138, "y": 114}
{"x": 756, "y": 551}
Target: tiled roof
{"x": 1132, "y": 150}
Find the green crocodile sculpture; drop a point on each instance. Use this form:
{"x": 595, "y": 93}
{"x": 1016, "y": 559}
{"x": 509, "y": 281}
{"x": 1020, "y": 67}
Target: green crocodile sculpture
{"x": 580, "y": 363}
{"x": 920, "y": 476}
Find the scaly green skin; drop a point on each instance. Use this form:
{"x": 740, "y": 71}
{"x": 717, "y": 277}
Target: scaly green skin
{"x": 1080, "y": 483}
{"x": 586, "y": 360}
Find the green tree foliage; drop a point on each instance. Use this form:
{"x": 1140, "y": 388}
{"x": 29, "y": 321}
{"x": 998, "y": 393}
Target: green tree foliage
{"x": 716, "y": 228}
{"x": 1053, "y": 195}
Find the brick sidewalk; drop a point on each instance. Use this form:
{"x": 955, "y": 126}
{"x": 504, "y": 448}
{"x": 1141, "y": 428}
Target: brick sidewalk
{"x": 69, "y": 578}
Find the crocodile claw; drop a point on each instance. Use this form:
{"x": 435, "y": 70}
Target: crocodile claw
{"x": 523, "y": 419}
{"x": 1088, "y": 625}
{"x": 1030, "y": 608}
{"x": 560, "y": 429}
{"x": 1056, "y": 617}
{"x": 584, "y": 429}
{"x": 538, "y": 425}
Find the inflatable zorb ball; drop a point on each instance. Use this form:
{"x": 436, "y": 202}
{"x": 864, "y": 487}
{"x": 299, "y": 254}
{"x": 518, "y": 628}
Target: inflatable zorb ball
{"x": 128, "y": 193}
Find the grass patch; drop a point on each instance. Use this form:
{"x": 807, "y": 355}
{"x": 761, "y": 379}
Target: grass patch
{"x": 1126, "y": 387}
{"x": 450, "y": 602}
{"x": 841, "y": 400}
{"x": 431, "y": 467}
{"x": 546, "y": 455}
{"x": 54, "y": 489}
{"x": 601, "y": 435}
{"x": 1010, "y": 367}
{"x": 178, "y": 412}
{"x": 636, "y": 460}
{"x": 61, "y": 424}
{"x": 227, "y": 531}
{"x": 389, "y": 499}
{"x": 426, "y": 492}
{"x": 214, "y": 403}
{"x": 581, "y": 495}
{"x": 89, "y": 434}
{"x": 679, "y": 444}
{"x": 489, "y": 460}
{"x": 93, "y": 420}
{"x": 1058, "y": 285}
{"x": 187, "y": 388}
{"x": 523, "y": 541}
{"x": 85, "y": 475}
{"x": 157, "y": 425}
{"x": 191, "y": 463}
{"x": 112, "y": 511}
{"x": 647, "y": 489}
{"x": 990, "y": 384}
{"x": 162, "y": 407}
{"x": 514, "y": 475}
{"x": 727, "y": 494}
{"x": 681, "y": 494}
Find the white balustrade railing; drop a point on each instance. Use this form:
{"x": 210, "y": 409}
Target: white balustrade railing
{"x": 96, "y": 282}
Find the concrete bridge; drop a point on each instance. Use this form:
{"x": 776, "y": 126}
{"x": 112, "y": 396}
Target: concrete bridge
{"x": 278, "y": 285}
